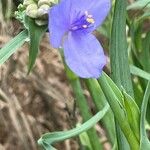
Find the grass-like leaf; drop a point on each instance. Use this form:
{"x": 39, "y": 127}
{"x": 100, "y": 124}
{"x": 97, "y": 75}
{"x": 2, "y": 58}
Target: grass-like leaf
{"x": 139, "y": 4}
{"x": 50, "y": 138}
{"x": 12, "y": 46}
{"x": 144, "y": 143}
{"x": 139, "y": 72}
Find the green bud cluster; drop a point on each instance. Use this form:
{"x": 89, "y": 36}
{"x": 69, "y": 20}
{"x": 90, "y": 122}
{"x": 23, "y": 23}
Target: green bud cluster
{"x": 38, "y": 9}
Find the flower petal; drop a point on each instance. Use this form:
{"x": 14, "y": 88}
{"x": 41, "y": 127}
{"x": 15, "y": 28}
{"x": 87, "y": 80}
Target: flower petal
{"x": 97, "y": 8}
{"x": 84, "y": 55}
{"x": 58, "y": 22}
{"x": 100, "y": 10}
{"x": 83, "y": 4}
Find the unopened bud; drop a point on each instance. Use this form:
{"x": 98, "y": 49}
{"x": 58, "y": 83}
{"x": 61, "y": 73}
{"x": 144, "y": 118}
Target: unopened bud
{"x": 41, "y": 22}
{"x": 38, "y": 9}
{"x": 28, "y": 2}
{"x": 21, "y": 7}
{"x": 42, "y": 2}
{"x": 31, "y": 10}
{"x": 54, "y": 1}
{"x": 43, "y": 11}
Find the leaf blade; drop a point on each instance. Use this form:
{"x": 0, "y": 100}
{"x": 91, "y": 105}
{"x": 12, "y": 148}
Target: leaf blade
{"x": 35, "y": 32}
{"x": 144, "y": 142}
{"x": 12, "y": 46}
{"x": 50, "y": 138}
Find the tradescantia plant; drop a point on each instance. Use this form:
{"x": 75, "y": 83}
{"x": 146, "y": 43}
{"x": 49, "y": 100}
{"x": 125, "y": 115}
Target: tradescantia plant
{"x": 70, "y": 23}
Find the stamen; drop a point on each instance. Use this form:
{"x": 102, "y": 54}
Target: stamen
{"x": 89, "y": 16}
{"x": 84, "y": 21}
{"x": 86, "y": 13}
{"x": 84, "y": 26}
{"x": 74, "y": 28}
{"x": 90, "y": 20}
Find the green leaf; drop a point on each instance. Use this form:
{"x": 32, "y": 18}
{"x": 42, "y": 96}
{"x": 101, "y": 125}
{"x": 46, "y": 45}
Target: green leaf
{"x": 127, "y": 103}
{"x": 145, "y": 58}
{"x": 119, "y": 112}
{"x": 115, "y": 89}
{"x": 83, "y": 106}
{"x": 144, "y": 143}
{"x": 50, "y": 138}
{"x": 133, "y": 114}
{"x": 139, "y": 4}
{"x": 12, "y": 46}
{"x": 120, "y": 72}
{"x": 139, "y": 72}
{"x": 100, "y": 100}
{"x": 85, "y": 141}
{"x": 35, "y": 32}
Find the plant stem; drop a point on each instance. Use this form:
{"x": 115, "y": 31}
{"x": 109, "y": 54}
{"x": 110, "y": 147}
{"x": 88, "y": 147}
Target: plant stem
{"x": 83, "y": 107}
{"x": 100, "y": 101}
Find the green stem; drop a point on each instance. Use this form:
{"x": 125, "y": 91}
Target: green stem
{"x": 100, "y": 101}
{"x": 83, "y": 107}
{"x": 119, "y": 113}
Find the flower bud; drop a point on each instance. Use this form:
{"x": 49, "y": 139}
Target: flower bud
{"x": 42, "y": 2}
{"x": 54, "y": 1}
{"x": 21, "y": 7}
{"x": 28, "y": 2}
{"x": 31, "y": 10}
{"x": 43, "y": 11}
{"x": 41, "y": 22}
{"x": 38, "y": 9}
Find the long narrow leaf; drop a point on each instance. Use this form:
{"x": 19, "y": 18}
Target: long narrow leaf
{"x": 100, "y": 100}
{"x": 139, "y": 72}
{"x": 139, "y": 4}
{"x": 36, "y": 32}
{"x": 144, "y": 143}
{"x": 50, "y": 138}
{"x": 12, "y": 46}
{"x": 119, "y": 60}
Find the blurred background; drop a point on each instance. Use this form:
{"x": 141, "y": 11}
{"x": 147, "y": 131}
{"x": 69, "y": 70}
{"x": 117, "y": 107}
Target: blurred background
{"x": 41, "y": 102}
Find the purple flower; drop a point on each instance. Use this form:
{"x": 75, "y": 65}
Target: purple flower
{"x": 71, "y": 23}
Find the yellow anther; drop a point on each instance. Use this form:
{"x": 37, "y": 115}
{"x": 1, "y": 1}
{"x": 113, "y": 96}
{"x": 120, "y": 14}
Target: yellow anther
{"x": 90, "y": 20}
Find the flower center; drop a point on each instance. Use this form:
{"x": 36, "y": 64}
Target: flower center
{"x": 83, "y": 21}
